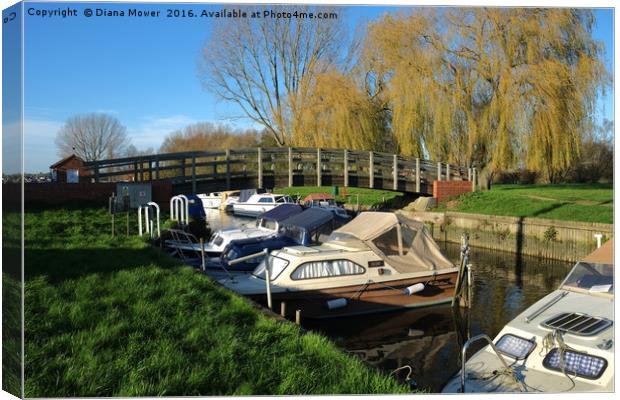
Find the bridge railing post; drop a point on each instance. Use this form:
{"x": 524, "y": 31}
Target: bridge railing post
{"x": 395, "y": 172}
{"x": 194, "y": 174}
{"x": 346, "y": 168}
{"x": 183, "y": 170}
{"x": 318, "y": 167}
{"x": 96, "y": 168}
{"x": 157, "y": 168}
{"x": 447, "y": 171}
{"x": 228, "y": 169}
{"x": 474, "y": 178}
{"x": 371, "y": 170}
{"x": 417, "y": 175}
{"x": 439, "y": 171}
{"x": 290, "y": 166}
{"x": 259, "y": 161}
{"x": 135, "y": 171}
{"x": 469, "y": 174}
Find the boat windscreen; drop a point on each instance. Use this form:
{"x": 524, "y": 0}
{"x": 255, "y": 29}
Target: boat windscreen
{"x": 267, "y": 224}
{"x": 592, "y": 277}
{"x": 275, "y": 264}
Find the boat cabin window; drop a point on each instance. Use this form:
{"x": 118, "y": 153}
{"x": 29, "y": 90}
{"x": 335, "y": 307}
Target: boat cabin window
{"x": 217, "y": 239}
{"x": 275, "y": 264}
{"x": 326, "y": 269}
{"x": 284, "y": 199}
{"x": 594, "y": 278}
{"x": 388, "y": 242}
{"x": 265, "y": 200}
{"x": 267, "y": 224}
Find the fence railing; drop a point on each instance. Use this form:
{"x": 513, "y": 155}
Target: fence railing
{"x": 287, "y": 166}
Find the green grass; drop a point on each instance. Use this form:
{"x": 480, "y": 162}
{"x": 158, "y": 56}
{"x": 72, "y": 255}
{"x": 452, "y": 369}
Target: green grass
{"x": 367, "y": 197}
{"x": 570, "y": 202}
{"x": 109, "y": 316}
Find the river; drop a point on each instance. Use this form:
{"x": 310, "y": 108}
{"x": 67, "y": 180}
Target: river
{"x": 429, "y": 340}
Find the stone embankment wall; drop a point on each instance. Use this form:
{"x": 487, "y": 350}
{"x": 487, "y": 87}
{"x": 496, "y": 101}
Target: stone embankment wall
{"x": 546, "y": 238}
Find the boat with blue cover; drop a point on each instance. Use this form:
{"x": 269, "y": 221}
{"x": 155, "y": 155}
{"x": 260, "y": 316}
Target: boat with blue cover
{"x": 303, "y": 229}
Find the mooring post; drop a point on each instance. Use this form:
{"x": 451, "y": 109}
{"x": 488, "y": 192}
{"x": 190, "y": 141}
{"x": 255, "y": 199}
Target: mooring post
{"x": 290, "y": 166}
{"x": 228, "y": 169}
{"x": 268, "y": 278}
{"x": 371, "y": 169}
{"x": 318, "y": 166}
{"x": 447, "y": 171}
{"x": 193, "y": 174}
{"x": 202, "y": 254}
{"x": 283, "y": 309}
{"x": 395, "y": 172}
{"x": 417, "y": 175}
{"x": 439, "y": 171}
{"x": 259, "y": 160}
{"x": 345, "y": 168}
{"x": 298, "y": 317}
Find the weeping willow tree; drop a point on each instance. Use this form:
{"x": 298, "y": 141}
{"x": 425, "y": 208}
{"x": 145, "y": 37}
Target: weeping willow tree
{"x": 341, "y": 114}
{"x": 495, "y": 88}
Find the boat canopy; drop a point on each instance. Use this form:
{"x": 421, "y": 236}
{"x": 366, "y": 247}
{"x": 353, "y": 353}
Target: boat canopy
{"x": 405, "y": 243}
{"x": 309, "y": 219}
{"x": 281, "y": 212}
{"x": 602, "y": 255}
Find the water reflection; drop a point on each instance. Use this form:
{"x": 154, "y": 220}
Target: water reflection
{"x": 430, "y": 340}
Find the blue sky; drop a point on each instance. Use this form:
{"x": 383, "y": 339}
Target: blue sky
{"x": 142, "y": 71}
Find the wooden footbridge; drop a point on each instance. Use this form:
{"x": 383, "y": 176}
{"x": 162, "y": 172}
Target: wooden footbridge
{"x": 211, "y": 171}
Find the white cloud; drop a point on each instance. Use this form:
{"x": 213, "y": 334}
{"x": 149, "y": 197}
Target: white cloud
{"x": 152, "y": 130}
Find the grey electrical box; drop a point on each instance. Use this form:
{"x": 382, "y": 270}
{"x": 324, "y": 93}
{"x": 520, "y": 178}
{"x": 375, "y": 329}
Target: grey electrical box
{"x": 139, "y": 193}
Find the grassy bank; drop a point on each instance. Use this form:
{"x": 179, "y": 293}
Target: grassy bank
{"x": 109, "y": 316}
{"x": 570, "y": 202}
{"x": 350, "y": 195}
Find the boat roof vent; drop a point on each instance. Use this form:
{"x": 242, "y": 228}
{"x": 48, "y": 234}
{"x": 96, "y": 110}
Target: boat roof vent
{"x": 578, "y": 323}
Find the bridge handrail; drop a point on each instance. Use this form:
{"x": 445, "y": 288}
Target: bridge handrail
{"x": 250, "y": 162}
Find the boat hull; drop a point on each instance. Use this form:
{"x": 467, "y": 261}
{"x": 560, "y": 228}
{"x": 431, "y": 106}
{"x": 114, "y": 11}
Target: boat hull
{"x": 366, "y": 298}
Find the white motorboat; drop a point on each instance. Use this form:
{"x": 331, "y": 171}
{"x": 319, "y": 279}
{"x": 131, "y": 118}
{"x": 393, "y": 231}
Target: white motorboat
{"x": 266, "y": 224}
{"x": 211, "y": 200}
{"x": 260, "y": 203}
{"x": 377, "y": 262}
{"x": 562, "y": 343}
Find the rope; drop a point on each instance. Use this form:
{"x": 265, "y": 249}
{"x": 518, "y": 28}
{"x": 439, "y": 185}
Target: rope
{"x": 408, "y": 378}
{"x": 548, "y": 343}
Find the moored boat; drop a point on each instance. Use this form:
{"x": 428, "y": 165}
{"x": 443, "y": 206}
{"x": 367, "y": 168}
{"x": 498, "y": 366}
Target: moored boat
{"x": 327, "y": 202}
{"x": 259, "y": 203}
{"x": 562, "y": 343}
{"x": 266, "y": 224}
{"x": 211, "y": 200}
{"x": 377, "y": 262}
{"x": 305, "y": 228}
